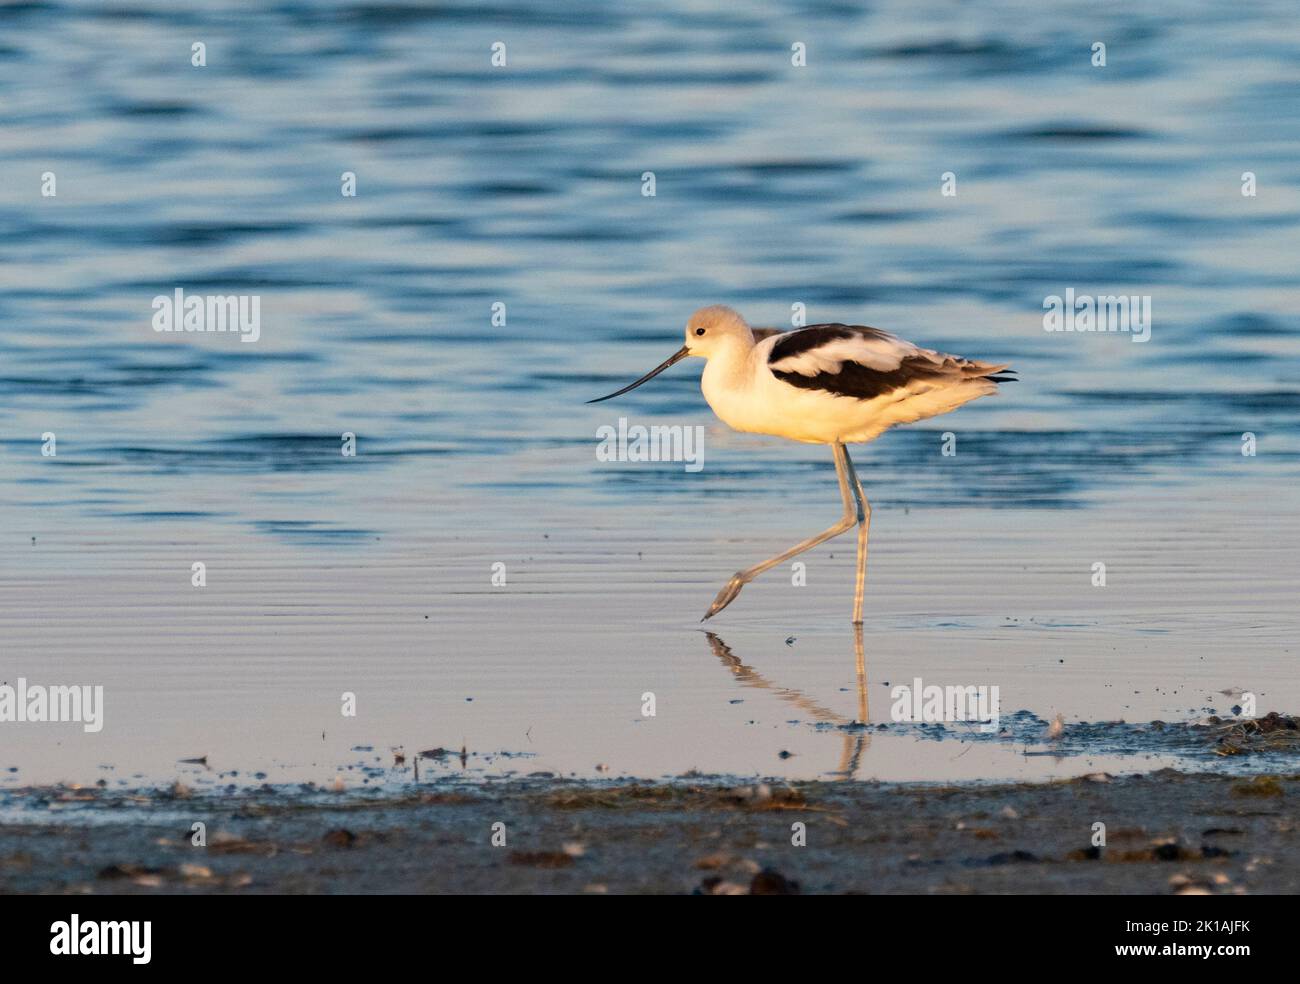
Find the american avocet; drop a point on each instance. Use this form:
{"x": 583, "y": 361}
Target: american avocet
{"x": 824, "y": 384}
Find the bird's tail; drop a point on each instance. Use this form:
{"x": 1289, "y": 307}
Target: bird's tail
{"x": 989, "y": 371}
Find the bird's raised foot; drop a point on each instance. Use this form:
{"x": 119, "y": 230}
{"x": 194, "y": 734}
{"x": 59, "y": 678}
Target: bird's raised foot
{"x": 725, "y": 597}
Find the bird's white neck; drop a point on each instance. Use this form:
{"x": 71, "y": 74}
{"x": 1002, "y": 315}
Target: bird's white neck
{"x": 730, "y": 360}
{"x": 728, "y": 376}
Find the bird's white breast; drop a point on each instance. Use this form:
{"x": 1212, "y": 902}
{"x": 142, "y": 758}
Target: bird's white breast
{"x": 727, "y": 385}
{"x": 742, "y": 391}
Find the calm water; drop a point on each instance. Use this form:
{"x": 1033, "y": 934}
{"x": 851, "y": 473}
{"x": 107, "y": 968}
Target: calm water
{"x": 522, "y": 185}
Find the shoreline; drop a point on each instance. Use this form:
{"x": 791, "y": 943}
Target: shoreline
{"x": 1166, "y": 832}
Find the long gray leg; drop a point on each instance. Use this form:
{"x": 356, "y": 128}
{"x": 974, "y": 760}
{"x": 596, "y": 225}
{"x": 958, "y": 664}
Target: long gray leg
{"x": 864, "y": 529}
{"x": 732, "y": 588}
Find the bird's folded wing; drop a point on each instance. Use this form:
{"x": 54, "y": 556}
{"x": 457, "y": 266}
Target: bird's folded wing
{"x": 864, "y": 363}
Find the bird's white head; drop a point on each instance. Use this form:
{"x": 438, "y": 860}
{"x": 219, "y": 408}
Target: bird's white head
{"x": 710, "y": 328}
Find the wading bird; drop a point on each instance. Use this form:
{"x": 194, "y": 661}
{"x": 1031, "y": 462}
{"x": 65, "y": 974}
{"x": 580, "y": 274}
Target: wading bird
{"x": 824, "y": 384}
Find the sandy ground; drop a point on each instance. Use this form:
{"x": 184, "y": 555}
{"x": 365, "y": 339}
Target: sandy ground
{"x": 1166, "y": 833}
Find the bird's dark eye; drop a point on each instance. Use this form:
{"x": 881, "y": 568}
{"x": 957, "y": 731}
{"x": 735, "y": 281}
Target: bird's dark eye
{"x": 699, "y": 331}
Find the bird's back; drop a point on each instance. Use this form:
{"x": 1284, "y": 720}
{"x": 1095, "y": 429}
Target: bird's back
{"x": 851, "y": 382}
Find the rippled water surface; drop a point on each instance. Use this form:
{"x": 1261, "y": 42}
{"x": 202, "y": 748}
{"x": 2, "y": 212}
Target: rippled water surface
{"x": 521, "y": 185}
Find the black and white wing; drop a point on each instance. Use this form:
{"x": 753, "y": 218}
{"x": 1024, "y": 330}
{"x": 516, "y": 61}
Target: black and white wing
{"x": 864, "y": 363}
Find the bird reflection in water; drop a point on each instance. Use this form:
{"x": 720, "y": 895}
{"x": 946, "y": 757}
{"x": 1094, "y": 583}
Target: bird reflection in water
{"x": 856, "y": 737}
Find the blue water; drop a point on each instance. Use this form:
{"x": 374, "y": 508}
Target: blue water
{"x": 521, "y": 185}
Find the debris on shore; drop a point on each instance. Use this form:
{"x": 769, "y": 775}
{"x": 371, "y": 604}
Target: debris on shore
{"x": 1273, "y": 732}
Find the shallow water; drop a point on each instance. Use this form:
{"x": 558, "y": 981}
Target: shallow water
{"x": 522, "y": 185}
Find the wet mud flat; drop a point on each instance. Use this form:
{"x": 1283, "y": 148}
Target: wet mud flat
{"x": 1166, "y": 832}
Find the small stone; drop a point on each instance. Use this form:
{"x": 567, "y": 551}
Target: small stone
{"x": 718, "y": 886}
{"x": 771, "y": 882}
{"x": 339, "y": 838}
{"x": 711, "y": 862}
